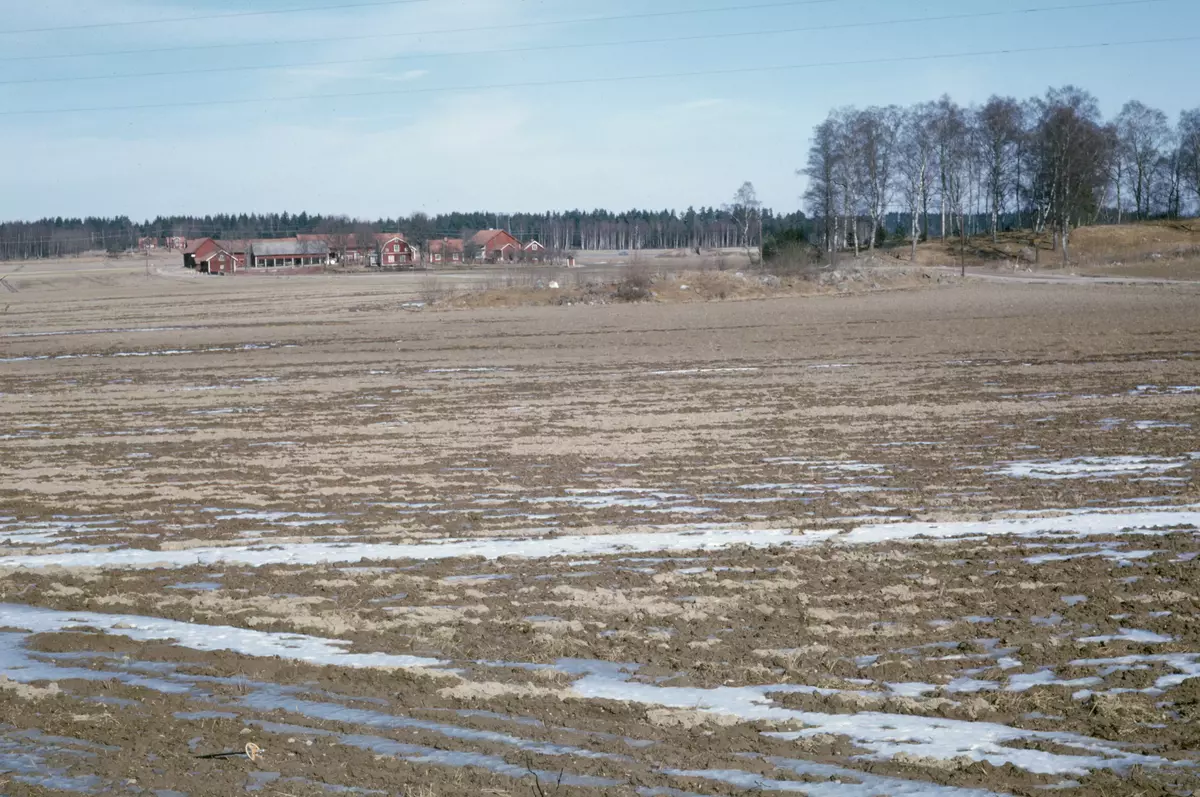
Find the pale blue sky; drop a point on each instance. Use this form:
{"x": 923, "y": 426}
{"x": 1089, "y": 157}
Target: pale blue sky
{"x": 649, "y": 143}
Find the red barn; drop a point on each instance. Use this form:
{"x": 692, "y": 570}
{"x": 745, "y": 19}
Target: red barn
{"x": 213, "y": 257}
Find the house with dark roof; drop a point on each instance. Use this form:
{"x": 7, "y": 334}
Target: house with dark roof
{"x": 287, "y": 254}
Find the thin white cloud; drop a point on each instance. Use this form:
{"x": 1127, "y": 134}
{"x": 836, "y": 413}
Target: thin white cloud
{"x": 407, "y": 76}
{"x": 699, "y": 105}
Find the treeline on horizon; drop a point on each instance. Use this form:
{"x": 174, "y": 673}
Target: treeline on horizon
{"x": 576, "y": 230}
{"x": 1046, "y": 164}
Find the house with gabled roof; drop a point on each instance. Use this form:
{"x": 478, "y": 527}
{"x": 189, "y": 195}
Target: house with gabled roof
{"x": 494, "y": 246}
{"x": 446, "y": 250}
{"x": 533, "y": 250}
{"x": 210, "y": 256}
{"x": 384, "y": 249}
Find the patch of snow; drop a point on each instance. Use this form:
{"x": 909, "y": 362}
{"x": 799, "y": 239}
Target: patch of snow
{"x": 689, "y": 371}
{"x": 1187, "y": 666}
{"x": 1146, "y": 426}
{"x": 883, "y": 735}
{"x": 1089, "y": 467}
{"x": 693, "y": 537}
{"x": 840, "y": 782}
{"x": 1103, "y": 553}
{"x": 297, "y": 647}
{"x": 1131, "y": 635}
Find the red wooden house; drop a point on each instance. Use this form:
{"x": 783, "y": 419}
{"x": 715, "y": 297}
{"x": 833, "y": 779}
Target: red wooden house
{"x": 494, "y": 246}
{"x": 209, "y": 256}
{"x": 394, "y": 250}
{"x": 447, "y": 250}
{"x": 387, "y": 249}
{"x": 534, "y": 251}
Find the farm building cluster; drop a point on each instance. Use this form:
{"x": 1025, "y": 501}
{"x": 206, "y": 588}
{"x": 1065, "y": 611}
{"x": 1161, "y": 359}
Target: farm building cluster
{"x": 314, "y": 253}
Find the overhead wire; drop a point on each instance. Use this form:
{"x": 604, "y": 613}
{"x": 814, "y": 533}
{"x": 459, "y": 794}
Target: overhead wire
{"x": 599, "y": 80}
{"x": 202, "y": 17}
{"x": 431, "y": 32}
{"x": 575, "y": 46}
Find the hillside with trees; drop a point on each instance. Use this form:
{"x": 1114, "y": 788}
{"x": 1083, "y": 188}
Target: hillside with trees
{"x": 1048, "y": 164}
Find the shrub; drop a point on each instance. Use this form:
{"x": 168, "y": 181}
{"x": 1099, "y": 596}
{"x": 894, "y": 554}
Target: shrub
{"x": 634, "y": 285}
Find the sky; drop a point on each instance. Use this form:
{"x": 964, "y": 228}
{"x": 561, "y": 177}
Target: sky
{"x": 377, "y": 109}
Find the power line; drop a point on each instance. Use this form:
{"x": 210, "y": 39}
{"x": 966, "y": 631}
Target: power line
{"x": 227, "y": 15}
{"x": 531, "y": 84}
{"x": 616, "y": 43}
{"x": 434, "y": 32}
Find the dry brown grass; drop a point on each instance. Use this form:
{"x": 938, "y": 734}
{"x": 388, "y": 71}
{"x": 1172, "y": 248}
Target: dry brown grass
{"x": 703, "y": 285}
{"x": 1159, "y": 249}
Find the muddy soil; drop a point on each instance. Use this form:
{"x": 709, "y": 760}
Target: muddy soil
{"x": 951, "y": 543}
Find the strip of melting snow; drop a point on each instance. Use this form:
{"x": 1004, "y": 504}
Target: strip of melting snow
{"x": 1186, "y": 665}
{"x": 1135, "y": 635}
{"x": 884, "y": 735}
{"x": 695, "y": 537}
{"x": 96, "y": 331}
{"x": 157, "y": 353}
{"x": 267, "y": 700}
{"x": 842, "y": 782}
{"x": 689, "y": 371}
{"x": 418, "y": 754}
{"x": 298, "y": 647}
{"x": 1089, "y": 467}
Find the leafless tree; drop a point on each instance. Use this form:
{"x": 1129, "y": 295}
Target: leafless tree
{"x": 746, "y": 212}
{"x": 952, "y": 142}
{"x": 822, "y": 197}
{"x": 472, "y": 252}
{"x": 916, "y": 153}
{"x": 999, "y": 129}
{"x": 1142, "y": 133}
{"x": 875, "y": 133}
{"x": 1072, "y": 159}
{"x": 1189, "y": 150}
{"x": 1171, "y": 177}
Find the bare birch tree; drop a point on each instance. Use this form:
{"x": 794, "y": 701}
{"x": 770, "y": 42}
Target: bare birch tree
{"x": 746, "y": 213}
{"x": 1072, "y": 159}
{"x": 875, "y": 133}
{"x": 1142, "y": 132}
{"x": 950, "y": 137}
{"x": 915, "y": 156}
{"x": 998, "y": 126}
{"x": 821, "y": 169}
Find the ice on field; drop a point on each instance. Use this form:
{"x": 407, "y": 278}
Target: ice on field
{"x": 1089, "y": 467}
